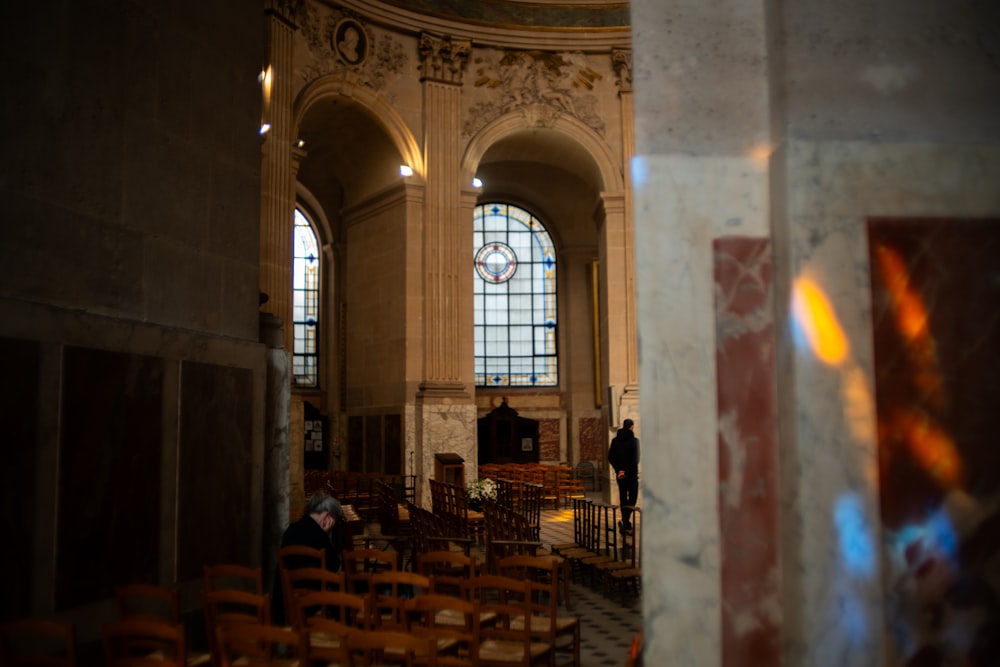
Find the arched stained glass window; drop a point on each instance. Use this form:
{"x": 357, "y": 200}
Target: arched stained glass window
{"x": 305, "y": 303}
{"x": 515, "y": 299}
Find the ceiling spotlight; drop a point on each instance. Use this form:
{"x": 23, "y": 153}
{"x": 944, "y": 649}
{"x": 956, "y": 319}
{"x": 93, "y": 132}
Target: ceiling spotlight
{"x": 405, "y": 170}
{"x": 264, "y": 128}
{"x": 476, "y": 183}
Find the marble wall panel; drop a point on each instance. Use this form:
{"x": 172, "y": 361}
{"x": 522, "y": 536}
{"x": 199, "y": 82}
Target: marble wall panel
{"x": 748, "y": 450}
{"x": 548, "y": 440}
{"x": 19, "y": 387}
{"x": 108, "y": 529}
{"x": 936, "y": 320}
{"x": 594, "y": 442}
{"x": 215, "y": 522}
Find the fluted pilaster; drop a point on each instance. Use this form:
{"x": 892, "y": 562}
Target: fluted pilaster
{"x": 446, "y": 249}
{"x": 277, "y": 175}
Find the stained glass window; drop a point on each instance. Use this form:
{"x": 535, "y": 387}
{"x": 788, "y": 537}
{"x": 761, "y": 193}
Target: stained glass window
{"x": 515, "y": 299}
{"x": 305, "y": 303}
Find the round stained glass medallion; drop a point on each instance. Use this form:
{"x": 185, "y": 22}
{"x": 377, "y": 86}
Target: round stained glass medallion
{"x": 496, "y": 262}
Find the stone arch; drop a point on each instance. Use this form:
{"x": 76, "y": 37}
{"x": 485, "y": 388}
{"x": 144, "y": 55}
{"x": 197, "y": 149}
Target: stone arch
{"x": 608, "y": 168}
{"x": 381, "y": 111}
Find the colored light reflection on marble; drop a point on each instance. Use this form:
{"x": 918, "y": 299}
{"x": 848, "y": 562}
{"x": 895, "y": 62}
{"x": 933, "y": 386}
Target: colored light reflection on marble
{"x": 930, "y": 446}
{"x": 818, "y": 323}
{"x": 912, "y": 321}
{"x": 854, "y": 533}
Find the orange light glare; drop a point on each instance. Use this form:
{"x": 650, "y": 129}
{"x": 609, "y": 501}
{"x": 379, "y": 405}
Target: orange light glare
{"x": 931, "y": 447}
{"x": 819, "y": 322}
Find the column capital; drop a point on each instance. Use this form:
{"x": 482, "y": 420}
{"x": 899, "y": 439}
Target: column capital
{"x": 285, "y": 10}
{"x": 621, "y": 61}
{"x": 443, "y": 59}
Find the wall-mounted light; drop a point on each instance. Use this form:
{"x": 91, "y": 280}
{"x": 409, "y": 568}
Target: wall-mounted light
{"x": 300, "y": 143}
{"x": 264, "y": 78}
{"x": 405, "y": 170}
{"x": 476, "y": 183}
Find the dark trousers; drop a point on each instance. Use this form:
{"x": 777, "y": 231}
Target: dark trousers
{"x": 628, "y": 492}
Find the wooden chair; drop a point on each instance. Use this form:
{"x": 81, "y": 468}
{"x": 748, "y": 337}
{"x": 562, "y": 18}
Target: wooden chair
{"x": 389, "y": 591}
{"x": 253, "y": 644}
{"x": 234, "y": 577}
{"x": 544, "y": 621}
{"x": 453, "y": 624}
{"x": 37, "y": 642}
{"x": 627, "y": 578}
{"x": 326, "y": 618}
{"x": 141, "y": 640}
{"x": 147, "y": 601}
{"x": 446, "y": 570}
{"x": 229, "y": 607}
{"x": 293, "y": 557}
{"x": 361, "y": 564}
{"x": 608, "y": 551}
{"x": 371, "y": 648}
{"x": 570, "y": 486}
{"x": 580, "y": 507}
{"x": 502, "y": 643}
{"x": 432, "y": 533}
{"x": 309, "y": 579}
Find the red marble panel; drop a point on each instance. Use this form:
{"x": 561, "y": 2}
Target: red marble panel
{"x": 109, "y": 473}
{"x": 548, "y": 440}
{"x": 936, "y": 325}
{"x": 593, "y": 441}
{"x": 214, "y": 517}
{"x": 748, "y": 457}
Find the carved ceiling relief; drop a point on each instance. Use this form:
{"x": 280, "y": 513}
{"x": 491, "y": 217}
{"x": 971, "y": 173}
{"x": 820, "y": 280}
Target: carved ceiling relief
{"x": 342, "y": 45}
{"x": 543, "y": 84}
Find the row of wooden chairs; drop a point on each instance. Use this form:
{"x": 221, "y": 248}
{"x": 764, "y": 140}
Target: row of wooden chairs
{"x": 373, "y": 575}
{"x": 451, "y": 503}
{"x": 358, "y": 489}
{"x": 507, "y": 619}
{"x": 600, "y": 554}
{"x": 559, "y": 483}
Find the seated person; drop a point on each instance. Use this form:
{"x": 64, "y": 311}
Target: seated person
{"x": 313, "y": 530}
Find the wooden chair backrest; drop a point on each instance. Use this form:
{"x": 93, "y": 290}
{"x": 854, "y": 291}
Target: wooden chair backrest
{"x": 147, "y": 601}
{"x": 250, "y": 644}
{"x": 140, "y": 638}
{"x": 235, "y": 577}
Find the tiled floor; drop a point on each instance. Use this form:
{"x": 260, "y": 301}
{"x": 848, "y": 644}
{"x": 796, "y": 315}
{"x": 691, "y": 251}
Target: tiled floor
{"x": 607, "y": 624}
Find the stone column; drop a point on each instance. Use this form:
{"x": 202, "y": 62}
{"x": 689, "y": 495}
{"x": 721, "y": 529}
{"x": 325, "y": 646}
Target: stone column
{"x": 277, "y": 180}
{"x": 445, "y": 407}
{"x": 276, "y": 434}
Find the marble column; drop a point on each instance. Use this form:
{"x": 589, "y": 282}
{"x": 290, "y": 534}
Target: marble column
{"x": 276, "y": 436}
{"x": 446, "y": 414}
{"x": 700, "y": 173}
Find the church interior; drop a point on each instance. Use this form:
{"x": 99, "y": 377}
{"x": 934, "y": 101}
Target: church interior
{"x": 243, "y": 242}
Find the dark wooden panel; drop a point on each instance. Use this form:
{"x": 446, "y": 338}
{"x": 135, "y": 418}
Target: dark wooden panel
{"x": 373, "y": 443}
{"x": 19, "y": 446}
{"x": 109, "y": 481}
{"x": 393, "y": 445}
{"x": 215, "y": 476}
{"x": 355, "y": 443}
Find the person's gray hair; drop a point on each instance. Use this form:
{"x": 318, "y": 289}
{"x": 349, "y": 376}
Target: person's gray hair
{"x": 320, "y": 502}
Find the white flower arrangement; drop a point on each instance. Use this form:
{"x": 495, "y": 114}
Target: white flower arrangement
{"x": 480, "y": 490}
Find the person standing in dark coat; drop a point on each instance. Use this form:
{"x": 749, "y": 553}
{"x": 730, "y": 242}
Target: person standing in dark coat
{"x": 624, "y": 459}
{"x": 313, "y": 529}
